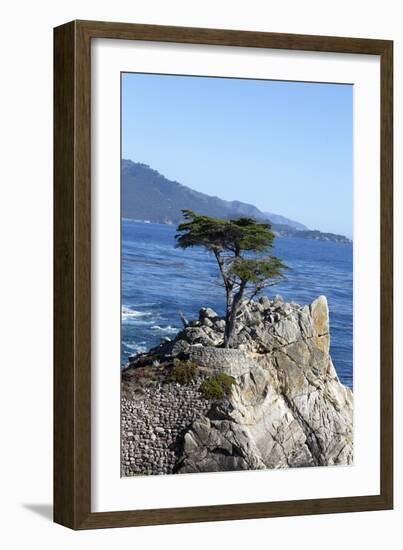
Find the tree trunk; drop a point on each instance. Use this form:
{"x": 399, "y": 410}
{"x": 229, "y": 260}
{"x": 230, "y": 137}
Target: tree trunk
{"x": 230, "y": 300}
{"x": 229, "y": 329}
{"x": 232, "y": 310}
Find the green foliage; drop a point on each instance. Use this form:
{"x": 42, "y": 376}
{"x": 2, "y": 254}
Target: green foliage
{"x": 238, "y": 247}
{"x": 217, "y": 387}
{"x": 183, "y": 372}
{"x": 211, "y": 389}
{"x": 236, "y": 236}
{"x": 258, "y": 270}
{"x": 226, "y": 382}
{"x": 219, "y": 234}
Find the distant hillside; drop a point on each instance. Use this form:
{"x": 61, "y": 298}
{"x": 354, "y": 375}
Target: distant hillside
{"x": 281, "y": 220}
{"x": 148, "y": 195}
{"x": 313, "y": 235}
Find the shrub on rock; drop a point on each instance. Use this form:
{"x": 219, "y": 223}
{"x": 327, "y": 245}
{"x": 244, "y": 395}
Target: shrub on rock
{"x": 184, "y": 372}
{"x": 217, "y": 387}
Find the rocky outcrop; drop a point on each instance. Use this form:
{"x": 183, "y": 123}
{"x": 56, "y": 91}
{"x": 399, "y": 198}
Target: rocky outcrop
{"x": 287, "y": 407}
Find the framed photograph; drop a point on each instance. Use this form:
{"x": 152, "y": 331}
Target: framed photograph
{"x": 222, "y": 274}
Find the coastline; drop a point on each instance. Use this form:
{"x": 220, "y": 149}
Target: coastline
{"x": 307, "y": 234}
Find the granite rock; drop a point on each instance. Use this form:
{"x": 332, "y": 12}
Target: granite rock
{"x": 286, "y": 409}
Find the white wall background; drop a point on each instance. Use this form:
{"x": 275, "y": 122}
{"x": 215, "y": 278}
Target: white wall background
{"x": 26, "y": 270}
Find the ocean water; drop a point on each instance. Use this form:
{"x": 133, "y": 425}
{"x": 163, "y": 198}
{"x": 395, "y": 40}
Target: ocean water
{"x": 159, "y": 280}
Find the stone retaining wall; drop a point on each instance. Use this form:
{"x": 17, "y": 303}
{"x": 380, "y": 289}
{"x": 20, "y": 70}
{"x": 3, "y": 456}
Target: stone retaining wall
{"x": 152, "y": 423}
{"x": 231, "y": 361}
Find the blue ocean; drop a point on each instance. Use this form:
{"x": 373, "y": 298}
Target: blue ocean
{"x": 159, "y": 281}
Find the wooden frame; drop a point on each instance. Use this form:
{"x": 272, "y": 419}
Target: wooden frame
{"x": 72, "y": 320}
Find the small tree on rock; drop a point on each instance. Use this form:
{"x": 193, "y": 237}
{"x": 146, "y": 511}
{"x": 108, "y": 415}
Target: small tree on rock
{"x": 240, "y": 248}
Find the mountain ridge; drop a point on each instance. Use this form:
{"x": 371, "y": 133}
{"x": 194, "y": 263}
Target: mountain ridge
{"x": 147, "y": 195}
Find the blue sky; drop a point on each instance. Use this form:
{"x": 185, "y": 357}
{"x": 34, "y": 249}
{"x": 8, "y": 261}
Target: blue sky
{"x": 285, "y": 147}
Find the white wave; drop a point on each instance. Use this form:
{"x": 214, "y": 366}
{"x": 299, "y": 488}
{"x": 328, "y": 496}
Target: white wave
{"x": 128, "y": 313}
{"x": 137, "y": 348}
{"x": 130, "y": 345}
{"x": 168, "y": 329}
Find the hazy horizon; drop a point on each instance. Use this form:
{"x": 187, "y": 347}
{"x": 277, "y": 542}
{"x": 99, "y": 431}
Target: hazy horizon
{"x": 285, "y": 147}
